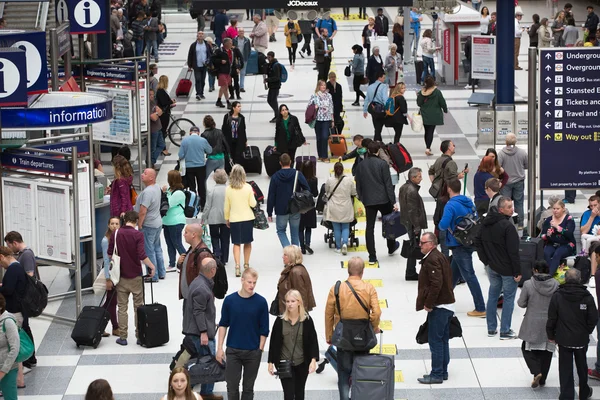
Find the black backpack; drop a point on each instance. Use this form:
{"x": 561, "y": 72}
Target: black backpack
{"x": 584, "y": 265}
{"x": 35, "y": 299}
{"x": 467, "y": 229}
{"x": 221, "y": 284}
{"x": 164, "y": 204}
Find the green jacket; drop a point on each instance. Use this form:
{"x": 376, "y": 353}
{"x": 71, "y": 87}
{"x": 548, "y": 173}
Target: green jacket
{"x": 175, "y": 215}
{"x": 432, "y": 103}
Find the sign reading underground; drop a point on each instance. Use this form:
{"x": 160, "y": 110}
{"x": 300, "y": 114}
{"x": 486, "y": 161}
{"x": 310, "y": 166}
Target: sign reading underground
{"x": 569, "y": 115}
{"x": 88, "y": 16}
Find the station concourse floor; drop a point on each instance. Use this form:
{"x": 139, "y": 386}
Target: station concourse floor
{"x": 480, "y": 367}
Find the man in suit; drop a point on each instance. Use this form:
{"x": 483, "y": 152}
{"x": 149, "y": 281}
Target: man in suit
{"x": 323, "y": 50}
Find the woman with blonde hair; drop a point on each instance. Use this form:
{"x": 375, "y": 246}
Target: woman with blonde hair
{"x": 399, "y": 119}
{"x": 174, "y": 221}
{"x": 369, "y": 33}
{"x": 294, "y": 347}
{"x": 294, "y": 276}
{"x": 120, "y": 189}
{"x": 214, "y": 216}
{"x": 180, "y": 387}
{"x": 165, "y": 102}
{"x": 239, "y": 217}
{"x": 325, "y": 110}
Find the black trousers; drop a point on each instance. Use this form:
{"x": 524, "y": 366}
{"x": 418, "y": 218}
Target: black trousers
{"x": 411, "y": 263}
{"x": 538, "y": 361}
{"x": 356, "y": 81}
{"x": 238, "y": 360}
{"x": 196, "y": 177}
{"x": 27, "y": 329}
{"x": 292, "y": 53}
{"x": 306, "y": 46}
{"x": 565, "y": 372}
{"x": 346, "y": 11}
{"x": 385, "y": 209}
{"x": 293, "y": 388}
{"x": 323, "y": 69}
{"x": 234, "y": 88}
{"x": 200, "y": 78}
{"x": 378, "y": 126}
{"x": 367, "y": 47}
{"x": 272, "y": 100}
{"x": 398, "y": 132}
{"x": 429, "y": 130}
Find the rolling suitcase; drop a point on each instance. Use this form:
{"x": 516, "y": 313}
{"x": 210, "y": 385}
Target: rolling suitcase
{"x": 152, "y": 323}
{"x": 391, "y": 226}
{"x": 373, "y": 376}
{"x": 337, "y": 144}
{"x": 271, "y": 159}
{"x": 184, "y": 87}
{"x": 251, "y": 160}
{"x": 531, "y": 249}
{"x": 90, "y": 325}
{"x": 401, "y": 158}
{"x": 301, "y": 158}
{"x": 419, "y": 67}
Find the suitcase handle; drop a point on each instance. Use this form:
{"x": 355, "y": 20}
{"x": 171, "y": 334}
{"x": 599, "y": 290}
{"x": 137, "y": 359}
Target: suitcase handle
{"x": 144, "y": 289}
{"x": 188, "y": 74}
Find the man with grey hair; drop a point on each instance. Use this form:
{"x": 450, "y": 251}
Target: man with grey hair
{"x": 436, "y": 296}
{"x": 199, "y": 317}
{"x": 514, "y": 161}
{"x": 572, "y": 317}
{"x": 413, "y": 217}
{"x": 242, "y": 43}
{"x": 498, "y": 249}
{"x": 150, "y": 222}
{"x": 260, "y": 35}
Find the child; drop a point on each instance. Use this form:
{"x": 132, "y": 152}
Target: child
{"x": 359, "y": 153}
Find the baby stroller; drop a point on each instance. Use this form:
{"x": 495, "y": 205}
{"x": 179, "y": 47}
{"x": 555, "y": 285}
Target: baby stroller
{"x": 330, "y": 240}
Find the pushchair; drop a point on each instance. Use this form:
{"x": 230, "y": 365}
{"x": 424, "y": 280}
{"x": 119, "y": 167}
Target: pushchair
{"x": 330, "y": 240}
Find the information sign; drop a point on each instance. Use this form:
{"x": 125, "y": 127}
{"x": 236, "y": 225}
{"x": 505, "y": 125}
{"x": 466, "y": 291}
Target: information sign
{"x": 19, "y": 209}
{"x": 569, "y": 117}
{"x": 54, "y": 222}
{"x": 13, "y": 79}
{"x": 34, "y": 44}
{"x": 119, "y": 129}
{"x": 35, "y": 163}
{"x": 483, "y": 64}
{"x": 88, "y": 16}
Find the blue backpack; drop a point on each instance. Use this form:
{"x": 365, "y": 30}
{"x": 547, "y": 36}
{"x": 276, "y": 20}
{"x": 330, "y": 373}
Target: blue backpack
{"x": 284, "y": 73}
{"x": 192, "y": 204}
{"x": 390, "y": 107}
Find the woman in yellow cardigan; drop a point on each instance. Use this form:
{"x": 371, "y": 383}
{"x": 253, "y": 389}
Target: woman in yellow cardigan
{"x": 239, "y": 217}
{"x": 292, "y": 32}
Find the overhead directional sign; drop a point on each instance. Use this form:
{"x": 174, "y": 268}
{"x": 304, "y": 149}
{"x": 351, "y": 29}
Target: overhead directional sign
{"x": 569, "y": 118}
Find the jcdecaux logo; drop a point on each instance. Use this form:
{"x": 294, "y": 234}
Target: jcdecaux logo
{"x": 298, "y": 3}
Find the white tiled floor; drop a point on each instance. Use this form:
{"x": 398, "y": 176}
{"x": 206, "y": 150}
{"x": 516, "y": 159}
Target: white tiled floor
{"x": 496, "y": 368}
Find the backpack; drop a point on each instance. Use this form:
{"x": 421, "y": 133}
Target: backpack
{"x": 26, "y": 345}
{"x": 221, "y": 284}
{"x": 283, "y": 77}
{"x": 35, "y": 299}
{"x": 192, "y": 204}
{"x": 584, "y": 265}
{"x": 467, "y": 229}
{"x": 164, "y": 204}
{"x": 390, "y": 107}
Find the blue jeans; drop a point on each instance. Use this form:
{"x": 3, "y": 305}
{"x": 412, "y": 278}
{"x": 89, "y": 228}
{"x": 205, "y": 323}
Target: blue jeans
{"x": 154, "y": 250}
{"x": 151, "y": 45}
{"x": 139, "y": 47}
{"x": 442, "y": 239}
{"x": 341, "y": 232}
{"x": 516, "y": 191}
{"x": 157, "y": 144}
{"x": 439, "y": 336}
{"x": 211, "y": 81}
{"x": 243, "y": 75}
{"x": 500, "y": 284}
{"x": 173, "y": 238}
{"x": 428, "y": 63}
{"x": 281, "y": 222}
{"x": 553, "y": 255}
{"x": 345, "y": 359}
{"x": 200, "y": 78}
{"x": 322, "y": 134}
{"x": 207, "y": 388}
{"x": 213, "y": 165}
{"x": 462, "y": 264}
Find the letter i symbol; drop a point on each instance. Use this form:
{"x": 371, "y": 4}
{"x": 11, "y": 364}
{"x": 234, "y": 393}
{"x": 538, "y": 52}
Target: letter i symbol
{"x": 2, "y": 78}
{"x": 86, "y": 9}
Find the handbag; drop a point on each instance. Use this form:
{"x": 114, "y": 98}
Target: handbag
{"x": 260, "y": 220}
{"x": 134, "y": 195}
{"x": 423, "y": 332}
{"x": 416, "y": 122}
{"x": 437, "y": 186}
{"x": 205, "y": 369}
{"x": 302, "y": 201}
{"x": 410, "y": 250}
{"x": 324, "y": 198}
{"x": 284, "y": 368}
{"x": 353, "y": 334}
{"x": 99, "y": 285}
{"x": 365, "y": 81}
{"x": 377, "y": 110}
{"x": 347, "y": 70}
{"x": 310, "y": 115}
{"x": 25, "y": 346}
{"x": 115, "y": 264}
{"x": 274, "y": 309}
{"x": 297, "y": 138}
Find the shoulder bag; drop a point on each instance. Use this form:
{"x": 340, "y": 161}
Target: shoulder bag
{"x": 353, "y": 334}
{"x": 301, "y": 201}
{"x": 115, "y": 264}
{"x": 438, "y": 180}
{"x": 376, "y": 109}
{"x": 324, "y": 197}
{"x": 260, "y": 220}
{"x": 26, "y": 345}
{"x": 416, "y": 122}
{"x": 284, "y": 368}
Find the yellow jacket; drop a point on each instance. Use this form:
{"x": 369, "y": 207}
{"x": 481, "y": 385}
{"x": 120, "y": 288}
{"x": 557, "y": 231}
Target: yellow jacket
{"x": 351, "y": 309}
{"x": 288, "y": 38}
{"x": 238, "y": 203}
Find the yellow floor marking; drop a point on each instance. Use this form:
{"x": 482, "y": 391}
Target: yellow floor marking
{"x": 360, "y": 248}
{"x": 385, "y": 325}
{"x": 361, "y": 219}
{"x": 378, "y": 283}
{"x": 389, "y": 349}
{"x": 398, "y": 376}
{"x": 360, "y": 233}
{"x": 382, "y": 303}
{"x": 367, "y": 265}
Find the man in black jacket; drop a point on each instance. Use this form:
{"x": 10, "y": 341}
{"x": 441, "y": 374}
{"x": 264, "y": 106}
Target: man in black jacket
{"x": 591, "y": 23}
{"x": 382, "y": 25}
{"x": 323, "y": 50}
{"x": 223, "y": 60}
{"x": 412, "y": 216}
{"x": 199, "y": 55}
{"x": 572, "y": 317}
{"x": 498, "y": 249}
{"x": 273, "y": 82}
{"x": 375, "y": 190}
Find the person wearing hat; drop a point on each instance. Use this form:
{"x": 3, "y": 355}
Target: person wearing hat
{"x": 193, "y": 151}
{"x": 518, "y": 33}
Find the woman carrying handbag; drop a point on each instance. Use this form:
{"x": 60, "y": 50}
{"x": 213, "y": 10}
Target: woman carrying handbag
{"x": 294, "y": 348}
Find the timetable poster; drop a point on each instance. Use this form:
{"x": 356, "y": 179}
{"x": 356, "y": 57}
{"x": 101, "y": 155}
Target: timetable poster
{"x": 120, "y": 128}
{"x": 54, "y": 222}
{"x": 85, "y": 217}
{"x": 19, "y": 209}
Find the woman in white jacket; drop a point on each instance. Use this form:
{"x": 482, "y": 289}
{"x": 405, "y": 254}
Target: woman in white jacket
{"x": 339, "y": 209}
{"x": 544, "y": 34}
{"x": 428, "y": 48}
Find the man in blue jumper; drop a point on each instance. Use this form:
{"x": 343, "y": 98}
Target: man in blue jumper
{"x": 376, "y": 92}
{"x": 194, "y": 149}
{"x": 462, "y": 262}
{"x": 246, "y": 315}
{"x": 281, "y": 188}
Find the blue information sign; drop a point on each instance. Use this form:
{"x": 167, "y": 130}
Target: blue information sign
{"x": 569, "y": 118}
{"x": 88, "y": 16}
{"x": 34, "y": 44}
{"x": 13, "y": 79}
{"x": 35, "y": 163}
{"x": 83, "y": 147}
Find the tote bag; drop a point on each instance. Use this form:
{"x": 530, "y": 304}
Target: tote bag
{"x": 115, "y": 264}
{"x": 416, "y": 122}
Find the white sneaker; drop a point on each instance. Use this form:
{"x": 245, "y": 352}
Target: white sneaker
{"x": 468, "y": 87}
{"x": 344, "y": 249}
{"x": 338, "y": 251}
{"x": 592, "y": 282}
{"x": 476, "y": 86}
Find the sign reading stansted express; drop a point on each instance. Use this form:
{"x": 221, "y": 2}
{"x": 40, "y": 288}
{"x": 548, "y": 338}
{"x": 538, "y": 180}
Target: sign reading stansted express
{"x": 49, "y": 118}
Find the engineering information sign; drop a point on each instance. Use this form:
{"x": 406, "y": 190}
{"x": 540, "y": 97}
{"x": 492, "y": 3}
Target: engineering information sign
{"x": 569, "y": 115}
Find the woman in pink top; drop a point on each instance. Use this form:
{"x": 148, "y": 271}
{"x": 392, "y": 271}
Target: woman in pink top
{"x": 232, "y": 31}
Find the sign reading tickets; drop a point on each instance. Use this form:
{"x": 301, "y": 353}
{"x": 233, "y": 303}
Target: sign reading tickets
{"x": 483, "y": 64}
{"x": 13, "y": 79}
{"x": 34, "y": 45}
{"x": 569, "y": 115}
{"x": 88, "y": 16}
{"x": 53, "y": 118}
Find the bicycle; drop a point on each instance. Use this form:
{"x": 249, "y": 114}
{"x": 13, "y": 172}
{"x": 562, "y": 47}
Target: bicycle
{"x": 178, "y": 129}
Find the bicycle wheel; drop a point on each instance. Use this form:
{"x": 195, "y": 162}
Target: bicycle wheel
{"x": 178, "y": 129}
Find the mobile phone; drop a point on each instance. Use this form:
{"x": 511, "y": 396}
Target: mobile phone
{"x": 466, "y": 166}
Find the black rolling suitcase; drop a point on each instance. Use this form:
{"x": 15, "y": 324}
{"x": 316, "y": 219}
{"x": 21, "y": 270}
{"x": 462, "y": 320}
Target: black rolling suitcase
{"x": 90, "y": 325}
{"x": 271, "y": 158}
{"x": 251, "y": 160}
{"x": 152, "y": 323}
{"x": 531, "y": 249}
{"x": 419, "y": 67}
